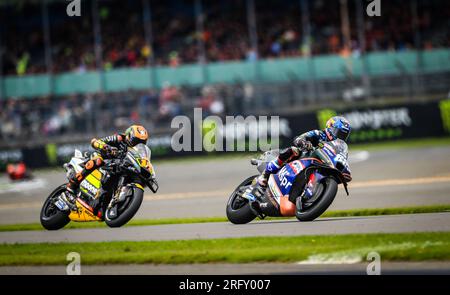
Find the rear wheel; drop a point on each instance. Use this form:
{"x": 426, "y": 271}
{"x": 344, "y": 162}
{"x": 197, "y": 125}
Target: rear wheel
{"x": 125, "y": 210}
{"x": 51, "y": 217}
{"x": 238, "y": 208}
{"x": 322, "y": 199}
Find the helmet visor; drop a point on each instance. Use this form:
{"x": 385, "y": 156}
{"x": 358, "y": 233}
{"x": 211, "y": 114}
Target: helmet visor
{"x": 133, "y": 140}
{"x": 341, "y": 134}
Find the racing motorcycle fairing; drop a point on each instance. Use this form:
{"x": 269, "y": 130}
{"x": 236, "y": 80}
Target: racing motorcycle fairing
{"x": 280, "y": 184}
{"x": 84, "y": 213}
{"x": 139, "y": 158}
{"x": 91, "y": 185}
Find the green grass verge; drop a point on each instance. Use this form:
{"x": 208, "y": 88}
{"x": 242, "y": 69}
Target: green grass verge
{"x": 388, "y": 211}
{"x": 391, "y": 247}
{"x": 142, "y": 222}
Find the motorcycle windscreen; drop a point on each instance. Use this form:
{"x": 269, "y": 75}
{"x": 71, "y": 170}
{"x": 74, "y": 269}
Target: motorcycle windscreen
{"x": 332, "y": 149}
{"x": 143, "y": 155}
{"x": 143, "y": 151}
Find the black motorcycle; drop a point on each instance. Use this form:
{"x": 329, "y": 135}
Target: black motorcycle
{"x": 112, "y": 193}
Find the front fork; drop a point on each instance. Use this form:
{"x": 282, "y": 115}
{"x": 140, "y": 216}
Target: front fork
{"x": 123, "y": 191}
{"x": 118, "y": 193}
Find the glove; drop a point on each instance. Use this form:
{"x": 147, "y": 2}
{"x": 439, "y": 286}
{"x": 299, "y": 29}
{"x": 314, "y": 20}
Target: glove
{"x": 308, "y": 146}
{"x": 303, "y": 144}
{"x": 296, "y": 150}
{"x": 298, "y": 141}
{"x": 110, "y": 151}
{"x": 123, "y": 146}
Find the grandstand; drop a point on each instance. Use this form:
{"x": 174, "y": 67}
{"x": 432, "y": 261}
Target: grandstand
{"x": 149, "y": 60}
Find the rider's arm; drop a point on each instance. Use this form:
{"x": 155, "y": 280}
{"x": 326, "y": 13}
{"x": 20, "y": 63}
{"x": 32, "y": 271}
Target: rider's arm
{"x": 302, "y": 142}
{"x": 313, "y": 136}
{"x": 104, "y": 144}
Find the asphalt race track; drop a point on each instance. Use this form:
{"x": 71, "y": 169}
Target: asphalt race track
{"x": 387, "y": 268}
{"x": 387, "y": 178}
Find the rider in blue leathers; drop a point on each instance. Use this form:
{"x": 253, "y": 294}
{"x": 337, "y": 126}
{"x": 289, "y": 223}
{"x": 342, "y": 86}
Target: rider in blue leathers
{"x": 336, "y": 128}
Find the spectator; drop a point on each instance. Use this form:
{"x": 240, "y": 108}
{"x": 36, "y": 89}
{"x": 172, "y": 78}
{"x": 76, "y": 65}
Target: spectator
{"x": 225, "y": 34}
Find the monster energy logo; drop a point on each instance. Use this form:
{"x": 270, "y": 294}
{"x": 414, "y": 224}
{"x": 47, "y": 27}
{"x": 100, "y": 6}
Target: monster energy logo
{"x": 89, "y": 187}
{"x": 445, "y": 114}
{"x": 372, "y": 119}
{"x": 374, "y": 124}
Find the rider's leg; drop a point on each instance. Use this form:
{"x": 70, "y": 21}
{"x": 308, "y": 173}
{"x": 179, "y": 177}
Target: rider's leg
{"x": 75, "y": 179}
{"x": 286, "y": 155}
{"x": 274, "y": 166}
{"x": 271, "y": 168}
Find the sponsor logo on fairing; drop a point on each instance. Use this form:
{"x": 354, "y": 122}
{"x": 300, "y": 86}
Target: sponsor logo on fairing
{"x": 89, "y": 187}
{"x": 284, "y": 182}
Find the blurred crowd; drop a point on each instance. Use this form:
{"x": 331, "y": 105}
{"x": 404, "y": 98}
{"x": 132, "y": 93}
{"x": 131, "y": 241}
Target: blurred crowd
{"x": 125, "y": 42}
{"x": 173, "y": 28}
{"x": 91, "y": 114}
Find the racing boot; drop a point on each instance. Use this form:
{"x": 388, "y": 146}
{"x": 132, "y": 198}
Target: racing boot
{"x": 254, "y": 193}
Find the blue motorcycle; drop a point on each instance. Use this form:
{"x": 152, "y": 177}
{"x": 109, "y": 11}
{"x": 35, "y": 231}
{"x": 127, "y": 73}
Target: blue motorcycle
{"x": 304, "y": 188}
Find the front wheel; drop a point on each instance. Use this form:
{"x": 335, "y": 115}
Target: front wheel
{"x": 322, "y": 202}
{"x": 238, "y": 208}
{"x": 51, "y": 217}
{"x": 125, "y": 210}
